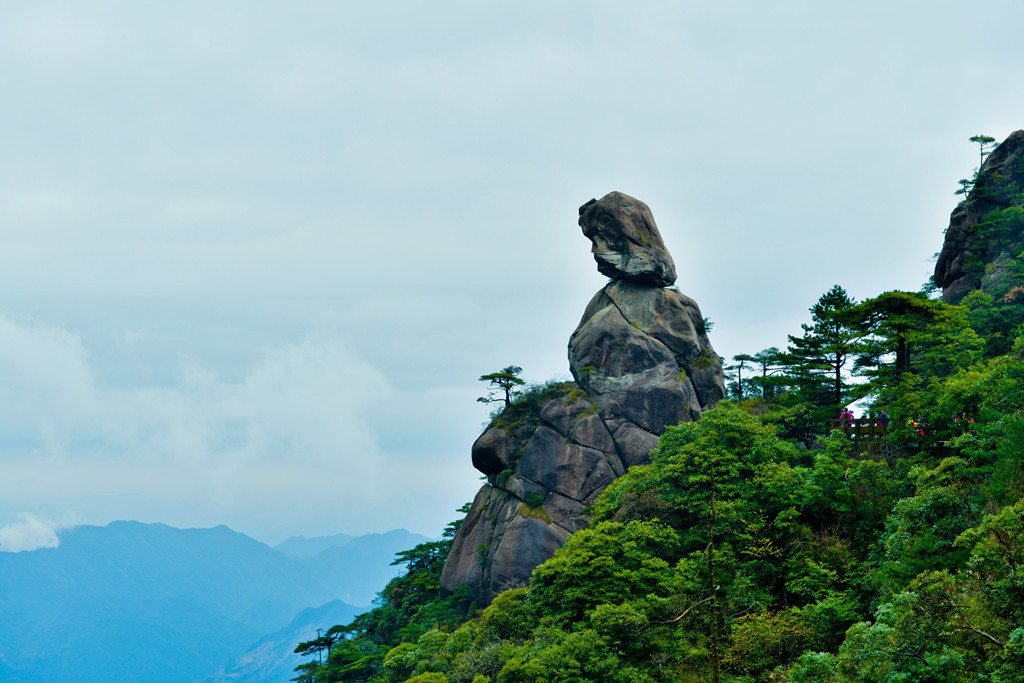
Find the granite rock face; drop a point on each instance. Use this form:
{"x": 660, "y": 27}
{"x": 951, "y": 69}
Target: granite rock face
{"x": 642, "y": 362}
{"x": 968, "y": 260}
{"x": 641, "y": 354}
{"x": 543, "y": 469}
{"x": 626, "y": 241}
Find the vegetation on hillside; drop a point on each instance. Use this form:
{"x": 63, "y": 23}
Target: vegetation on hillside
{"x": 759, "y": 546}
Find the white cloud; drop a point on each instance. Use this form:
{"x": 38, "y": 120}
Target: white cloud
{"x": 304, "y": 407}
{"x": 46, "y": 386}
{"x": 28, "y": 533}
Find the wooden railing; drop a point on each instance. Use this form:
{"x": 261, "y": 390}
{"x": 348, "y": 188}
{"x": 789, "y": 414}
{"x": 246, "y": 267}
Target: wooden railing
{"x": 862, "y": 428}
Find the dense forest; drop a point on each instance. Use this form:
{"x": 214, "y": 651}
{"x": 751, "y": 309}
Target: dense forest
{"x": 769, "y": 540}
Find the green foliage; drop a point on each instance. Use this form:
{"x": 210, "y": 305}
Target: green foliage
{"x": 966, "y": 185}
{"x": 798, "y": 422}
{"x": 409, "y": 607}
{"x": 510, "y": 617}
{"x": 535, "y": 511}
{"x": 997, "y": 321}
{"x": 821, "y": 564}
{"x": 905, "y": 332}
{"x": 767, "y": 550}
{"x": 767, "y": 379}
{"x": 761, "y": 545}
{"x": 428, "y": 678}
{"x": 920, "y": 532}
{"x": 985, "y": 144}
{"x": 761, "y": 639}
{"x": 504, "y": 382}
{"x": 501, "y": 479}
{"x": 981, "y": 412}
{"x": 819, "y": 357}
{"x": 609, "y": 562}
{"x": 524, "y": 411}
{"x": 736, "y": 389}
{"x": 828, "y": 565}
{"x": 706, "y": 358}
{"x": 555, "y": 656}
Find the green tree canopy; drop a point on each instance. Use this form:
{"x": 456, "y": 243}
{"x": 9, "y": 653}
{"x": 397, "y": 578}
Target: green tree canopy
{"x": 503, "y": 383}
{"x": 985, "y": 144}
{"x": 906, "y": 332}
{"x": 819, "y": 357}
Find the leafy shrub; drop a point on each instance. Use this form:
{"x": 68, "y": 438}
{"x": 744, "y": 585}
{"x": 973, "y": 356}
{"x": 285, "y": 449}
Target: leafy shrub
{"x": 525, "y": 409}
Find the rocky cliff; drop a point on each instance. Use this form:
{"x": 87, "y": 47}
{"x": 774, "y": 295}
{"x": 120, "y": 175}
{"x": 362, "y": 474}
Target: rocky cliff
{"x": 986, "y": 231}
{"x": 642, "y": 361}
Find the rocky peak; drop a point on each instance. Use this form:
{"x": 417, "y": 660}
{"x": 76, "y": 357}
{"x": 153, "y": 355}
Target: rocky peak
{"x": 642, "y": 362}
{"x": 626, "y": 241}
{"x": 975, "y": 245}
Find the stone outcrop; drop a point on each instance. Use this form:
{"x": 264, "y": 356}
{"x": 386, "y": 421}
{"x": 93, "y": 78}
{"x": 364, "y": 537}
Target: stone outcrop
{"x": 641, "y": 353}
{"x": 642, "y": 362}
{"x": 971, "y": 254}
{"x": 543, "y": 469}
{"x": 626, "y": 241}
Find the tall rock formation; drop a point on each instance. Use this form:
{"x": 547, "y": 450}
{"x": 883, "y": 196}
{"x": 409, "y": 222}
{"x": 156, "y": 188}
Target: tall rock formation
{"x": 985, "y": 231}
{"x": 642, "y": 362}
{"x": 641, "y": 351}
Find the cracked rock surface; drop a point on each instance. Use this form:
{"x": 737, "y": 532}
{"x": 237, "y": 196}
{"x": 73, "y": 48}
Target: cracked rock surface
{"x": 642, "y": 362}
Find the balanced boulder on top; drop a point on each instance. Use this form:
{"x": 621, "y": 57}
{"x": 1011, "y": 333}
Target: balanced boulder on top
{"x": 627, "y": 244}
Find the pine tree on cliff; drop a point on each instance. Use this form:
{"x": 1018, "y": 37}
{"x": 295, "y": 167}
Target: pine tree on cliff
{"x": 985, "y": 144}
{"x": 506, "y": 380}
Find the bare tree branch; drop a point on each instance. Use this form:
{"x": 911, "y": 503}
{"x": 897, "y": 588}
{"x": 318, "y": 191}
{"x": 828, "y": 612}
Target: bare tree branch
{"x": 686, "y": 611}
{"x": 970, "y": 627}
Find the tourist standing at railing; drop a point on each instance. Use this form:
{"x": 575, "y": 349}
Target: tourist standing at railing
{"x": 846, "y": 417}
{"x": 964, "y": 421}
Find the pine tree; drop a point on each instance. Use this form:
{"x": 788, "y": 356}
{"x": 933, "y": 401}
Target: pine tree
{"x": 505, "y": 382}
{"x": 819, "y": 357}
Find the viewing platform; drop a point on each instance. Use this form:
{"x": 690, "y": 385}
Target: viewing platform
{"x": 871, "y": 428}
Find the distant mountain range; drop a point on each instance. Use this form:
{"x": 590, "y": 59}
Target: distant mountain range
{"x": 148, "y": 602}
{"x": 300, "y": 546}
{"x": 272, "y": 659}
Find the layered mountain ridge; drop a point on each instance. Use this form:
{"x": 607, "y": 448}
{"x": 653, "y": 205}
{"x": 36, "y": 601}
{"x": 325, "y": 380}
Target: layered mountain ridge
{"x": 132, "y": 601}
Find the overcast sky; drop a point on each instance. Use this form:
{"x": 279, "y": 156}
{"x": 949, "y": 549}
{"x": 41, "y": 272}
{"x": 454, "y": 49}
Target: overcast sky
{"x": 255, "y": 255}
